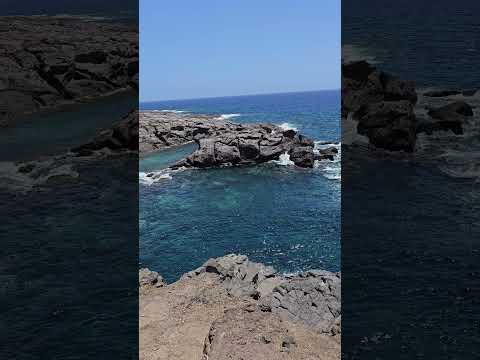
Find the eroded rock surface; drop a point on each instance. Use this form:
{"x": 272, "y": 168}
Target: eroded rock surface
{"x": 147, "y": 278}
{"x": 383, "y": 106}
{"x": 233, "y": 308}
{"x": 224, "y": 143}
{"x": 47, "y": 61}
{"x": 122, "y": 136}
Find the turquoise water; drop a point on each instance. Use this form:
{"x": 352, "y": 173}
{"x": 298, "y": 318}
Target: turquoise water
{"x": 55, "y": 132}
{"x": 279, "y": 215}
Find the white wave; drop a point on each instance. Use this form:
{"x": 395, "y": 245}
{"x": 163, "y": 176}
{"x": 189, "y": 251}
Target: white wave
{"x": 284, "y": 160}
{"x": 172, "y": 111}
{"x": 228, "y": 116}
{"x": 287, "y": 126}
{"x": 153, "y": 177}
{"x": 330, "y": 169}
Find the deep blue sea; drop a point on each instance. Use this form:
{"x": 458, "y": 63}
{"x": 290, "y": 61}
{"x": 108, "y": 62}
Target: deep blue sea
{"x": 279, "y": 215}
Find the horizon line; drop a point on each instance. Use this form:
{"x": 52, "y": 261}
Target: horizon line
{"x": 230, "y": 96}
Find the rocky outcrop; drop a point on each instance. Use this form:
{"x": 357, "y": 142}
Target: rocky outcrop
{"x": 48, "y": 61}
{"x": 122, "y": 136}
{"x": 147, "y": 278}
{"x": 383, "y": 106}
{"x": 225, "y": 143}
{"x": 232, "y": 308}
{"x": 452, "y": 117}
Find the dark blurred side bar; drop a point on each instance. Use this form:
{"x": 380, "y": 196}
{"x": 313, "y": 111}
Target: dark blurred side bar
{"x": 69, "y": 180}
{"x": 410, "y": 180}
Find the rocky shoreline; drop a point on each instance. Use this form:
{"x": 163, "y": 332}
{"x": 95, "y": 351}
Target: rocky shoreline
{"x": 48, "y": 61}
{"x": 232, "y": 308}
{"x": 383, "y": 111}
{"x": 224, "y": 143}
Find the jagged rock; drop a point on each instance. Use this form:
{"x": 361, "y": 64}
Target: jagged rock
{"x": 312, "y": 298}
{"x": 222, "y": 142}
{"x": 48, "y": 61}
{"x": 382, "y": 104}
{"x": 327, "y": 154}
{"x": 457, "y": 107}
{"x": 240, "y": 276}
{"x": 122, "y": 136}
{"x": 449, "y": 117}
{"x": 388, "y": 124}
{"x": 147, "y": 277}
{"x": 232, "y": 308}
{"x": 302, "y": 156}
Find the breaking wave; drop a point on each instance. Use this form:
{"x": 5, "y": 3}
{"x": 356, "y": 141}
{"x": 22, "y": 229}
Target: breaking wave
{"x": 228, "y": 116}
{"x": 287, "y": 126}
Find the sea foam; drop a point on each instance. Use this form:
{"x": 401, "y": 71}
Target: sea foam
{"x": 287, "y": 126}
{"x": 228, "y": 116}
{"x": 284, "y": 160}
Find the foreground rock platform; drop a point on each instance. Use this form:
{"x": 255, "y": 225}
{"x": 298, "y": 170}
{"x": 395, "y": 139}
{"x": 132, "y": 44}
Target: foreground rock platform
{"x": 232, "y": 308}
{"x": 225, "y": 143}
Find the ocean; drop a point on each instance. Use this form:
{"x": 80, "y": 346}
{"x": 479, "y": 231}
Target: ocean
{"x": 276, "y": 214}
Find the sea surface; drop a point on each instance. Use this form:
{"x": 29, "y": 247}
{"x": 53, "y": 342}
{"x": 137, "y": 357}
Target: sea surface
{"x": 275, "y": 213}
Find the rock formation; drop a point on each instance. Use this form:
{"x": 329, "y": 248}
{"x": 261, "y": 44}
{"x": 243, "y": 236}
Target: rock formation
{"x": 382, "y": 105}
{"x": 122, "y": 136}
{"x": 448, "y": 117}
{"x": 225, "y": 143}
{"x": 47, "y": 61}
{"x": 383, "y": 108}
{"x": 232, "y": 308}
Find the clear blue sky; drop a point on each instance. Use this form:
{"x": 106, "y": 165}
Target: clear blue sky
{"x": 195, "y": 48}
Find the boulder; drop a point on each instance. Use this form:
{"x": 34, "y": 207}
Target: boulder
{"x": 302, "y": 156}
{"x": 148, "y": 278}
{"x": 381, "y": 104}
{"x": 389, "y": 125}
{"x": 449, "y": 117}
{"x": 327, "y": 154}
{"x": 240, "y": 276}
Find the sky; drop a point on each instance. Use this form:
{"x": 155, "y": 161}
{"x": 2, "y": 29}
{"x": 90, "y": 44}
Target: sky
{"x": 194, "y": 49}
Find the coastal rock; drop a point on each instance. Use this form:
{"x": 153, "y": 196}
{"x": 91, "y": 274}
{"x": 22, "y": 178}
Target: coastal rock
{"x": 327, "y": 153}
{"x": 121, "y": 137}
{"x": 312, "y": 299}
{"x": 381, "y": 104}
{"x": 302, "y": 156}
{"x": 232, "y": 308}
{"x": 48, "y": 61}
{"x": 245, "y": 333}
{"x": 388, "y": 124}
{"x": 146, "y": 277}
{"x": 239, "y": 276}
{"x": 222, "y": 142}
{"x": 449, "y": 117}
